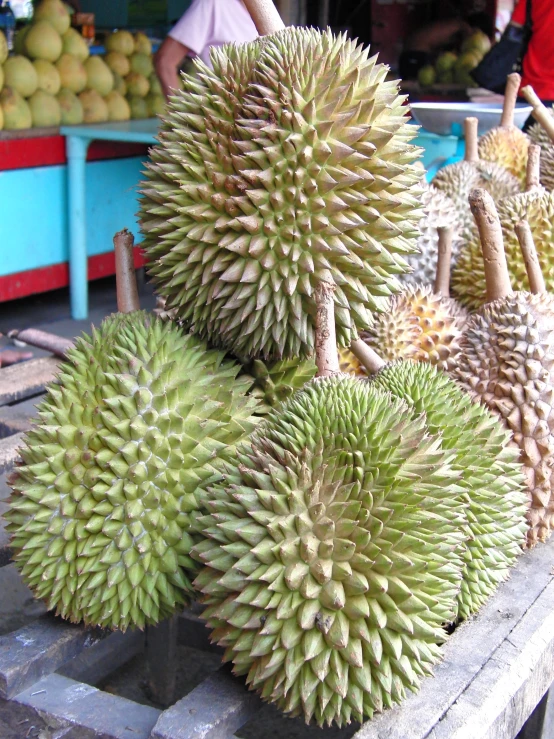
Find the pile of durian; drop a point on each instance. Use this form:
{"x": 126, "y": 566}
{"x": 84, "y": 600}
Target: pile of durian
{"x": 336, "y": 505}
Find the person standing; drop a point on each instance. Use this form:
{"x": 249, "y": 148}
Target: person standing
{"x": 538, "y": 62}
{"x": 205, "y": 24}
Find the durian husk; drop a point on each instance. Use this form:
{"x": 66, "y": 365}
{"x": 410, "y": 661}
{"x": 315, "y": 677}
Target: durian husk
{"x": 459, "y": 179}
{"x": 103, "y": 510}
{"x": 507, "y": 363}
{"x": 420, "y": 325}
{"x": 439, "y": 211}
{"x": 333, "y": 553}
{"x": 538, "y": 135}
{"x": 537, "y": 208}
{"x": 276, "y": 382}
{"x": 508, "y": 147}
{"x": 288, "y": 161}
{"x": 491, "y": 483}
{"x": 350, "y": 364}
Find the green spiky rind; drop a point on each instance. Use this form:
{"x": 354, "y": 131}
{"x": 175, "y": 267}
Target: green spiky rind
{"x": 333, "y": 553}
{"x": 102, "y": 516}
{"x": 289, "y": 159}
{"x": 507, "y": 362}
{"x": 459, "y": 179}
{"x": 491, "y": 483}
{"x": 508, "y": 147}
{"x": 276, "y": 382}
{"x": 537, "y": 208}
{"x": 538, "y": 135}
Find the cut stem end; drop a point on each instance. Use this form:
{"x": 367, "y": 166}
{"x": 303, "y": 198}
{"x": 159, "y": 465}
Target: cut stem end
{"x": 126, "y": 281}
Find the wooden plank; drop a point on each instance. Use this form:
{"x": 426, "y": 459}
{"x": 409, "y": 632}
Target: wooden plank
{"x": 22, "y": 380}
{"x": 161, "y": 657}
{"x": 99, "y": 661}
{"x": 214, "y": 710}
{"x": 9, "y": 450}
{"x": 505, "y": 692}
{"x": 66, "y": 703}
{"x": 38, "y": 649}
{"x": 14, "y": 420}
{"x": 470, "y": 647}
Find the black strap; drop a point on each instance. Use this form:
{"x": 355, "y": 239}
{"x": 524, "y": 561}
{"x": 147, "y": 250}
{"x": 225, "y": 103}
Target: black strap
{"x": 528, "y": 19}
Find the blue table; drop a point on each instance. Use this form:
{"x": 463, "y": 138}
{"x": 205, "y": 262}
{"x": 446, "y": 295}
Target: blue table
{"x": 78, "y": 139}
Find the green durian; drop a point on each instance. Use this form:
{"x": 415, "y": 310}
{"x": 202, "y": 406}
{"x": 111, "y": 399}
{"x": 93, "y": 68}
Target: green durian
{"x": 103, "y": 510}
{"x": 276, "y": 382}
{"x": 290, "y": 159}
{"x": 333, "y": 552}
{"x": 537, "y": 208}
{"x": 491, "y": 483}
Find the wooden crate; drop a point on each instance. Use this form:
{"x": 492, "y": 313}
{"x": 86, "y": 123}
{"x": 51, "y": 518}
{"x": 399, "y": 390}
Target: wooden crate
{"x": 497, "y": 666}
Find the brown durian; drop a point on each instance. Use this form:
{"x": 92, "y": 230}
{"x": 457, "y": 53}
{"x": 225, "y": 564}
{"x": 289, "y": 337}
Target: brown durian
{"x": 421, "y": 323}
{"x": 507, "y": 362}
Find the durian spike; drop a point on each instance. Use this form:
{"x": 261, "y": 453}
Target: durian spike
{"x": 57, "y": 345}
{"x": 510, "y": 96}
{"x": 444, "y": 256}
{"x": 533, "y": 173}
{"x": 470, "y": 133}
{"x": 265, "y": 16}
{"x": 126, "y": 281}
{"x": 326, "y": 357}
{"x": 492, "y": 244}
{"x": 540, "y": 111}
{"x": 530, "y": 257}
{"x": 367, "y": 357}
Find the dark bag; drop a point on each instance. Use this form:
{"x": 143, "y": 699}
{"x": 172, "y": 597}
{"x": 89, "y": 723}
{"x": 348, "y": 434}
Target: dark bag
{"x": 504, "y": 57}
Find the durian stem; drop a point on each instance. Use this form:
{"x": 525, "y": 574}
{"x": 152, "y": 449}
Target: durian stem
{"x": 326, "y": 356}
{"x": 265, "y": 16}
{"x": 367, "y": 357}
{"x": 444, "y": 256}
{"x": 57, "y": 345}
{"x": 126, "y": 281}
{"x": 530, "y": 257}
{"x": 492, "y": 244}
{"x": 533, "y": 172}
{"x": 510, "y": 96}
{"x": 470, "y": 133}
{"x": 540, "y": 111}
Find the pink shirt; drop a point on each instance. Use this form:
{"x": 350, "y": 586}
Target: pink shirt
{"x": 213, "y": 23}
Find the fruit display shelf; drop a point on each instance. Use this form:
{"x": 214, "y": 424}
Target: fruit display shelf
{"x": 497, "y": 667}
{"x": 34, "y": 190}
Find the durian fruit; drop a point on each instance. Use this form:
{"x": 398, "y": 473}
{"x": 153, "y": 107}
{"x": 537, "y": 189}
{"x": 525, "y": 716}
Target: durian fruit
{"x": 421, "y": 323}
{"x": 105, "y": 501}
{"x": 538, "y": 136}
{"x": 507, "y": 362}
{"x": 506, "y": 144}
{"x": 350, "y": 364}
{"x": 491, "y": 479}
{"x": 535, "y": 206}
{"x": 275, "y": 382}
{"x": 289, "y": 159}
{"x": 459, "y": 179}
{"x": 439, "y": 211}
{"x": 333, "y": 553}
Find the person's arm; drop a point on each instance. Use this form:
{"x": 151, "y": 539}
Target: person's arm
{"x": 167, "y": 62}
